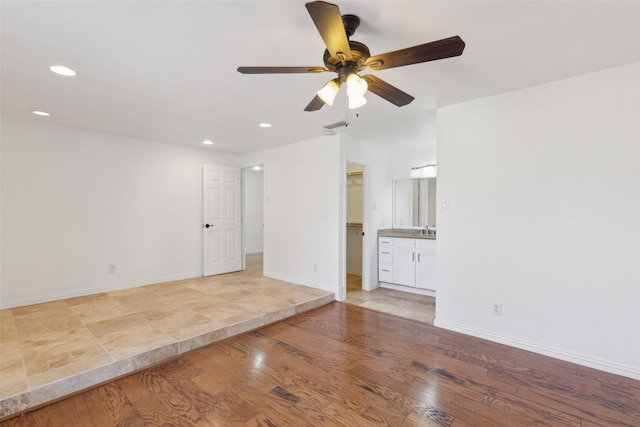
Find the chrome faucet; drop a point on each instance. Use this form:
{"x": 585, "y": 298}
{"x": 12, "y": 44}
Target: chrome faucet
{"x": 428, "y": 230}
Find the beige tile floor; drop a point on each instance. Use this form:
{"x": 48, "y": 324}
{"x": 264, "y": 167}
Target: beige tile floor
{"x": 418, "y": 307}
{"x": 54, "y": 349}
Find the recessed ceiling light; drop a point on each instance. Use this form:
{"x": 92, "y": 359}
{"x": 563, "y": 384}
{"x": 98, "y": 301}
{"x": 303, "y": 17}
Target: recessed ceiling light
{"x": 62, "y": 70}
{"x": 41, "y": 113}
{"x": 265, "y": 125}
{"x": 207, "y": 142}
{"x": 257, "y": 168}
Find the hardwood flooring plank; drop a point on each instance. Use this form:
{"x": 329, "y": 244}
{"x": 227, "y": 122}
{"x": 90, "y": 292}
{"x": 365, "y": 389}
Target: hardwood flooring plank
{"x": 585, "y": 410}
{"x": 281, "y": 413}
{"x": 340, "y": 336}
{"x": 377, "y": 384}
{"x": 524, "y": 412}
{"x": 170, "y": 397}
{"x": 305, "y": 380}
{"x": 118, "y": 405}
{"x": 415, "y": 420}
{"x": 231, "y": 409}
{"x": 154, "y": 408}
{"x": 64, "y": 410}
{"x": 613, "y": 381}
{"x": 589, "y": 394}
{"x": 339, "y": 416}
{"x": 90, "y": 409}
{"x": 261, "y": 420}
{"x": 384, "y": 416}
{"x": 317, "y": 380}
{"x": 196, "y": 390}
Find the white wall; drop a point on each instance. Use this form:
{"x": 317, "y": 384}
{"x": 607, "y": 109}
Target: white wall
{"x": 544, "y": 193}
{"x": 302, "y": 222}
{"x": 74, "y": 202}
{"x": 253, "y": 211}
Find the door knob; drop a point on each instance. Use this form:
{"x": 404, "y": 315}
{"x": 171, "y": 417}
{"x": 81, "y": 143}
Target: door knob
{"x": 207, "y": 225}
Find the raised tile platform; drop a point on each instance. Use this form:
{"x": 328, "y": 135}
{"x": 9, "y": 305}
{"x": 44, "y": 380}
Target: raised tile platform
{"x": 48, "y": 351}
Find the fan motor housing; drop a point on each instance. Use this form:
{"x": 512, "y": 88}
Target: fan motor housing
{"x": 359, "y": 53}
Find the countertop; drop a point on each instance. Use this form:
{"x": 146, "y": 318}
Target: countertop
{"x": 406, "y": 233}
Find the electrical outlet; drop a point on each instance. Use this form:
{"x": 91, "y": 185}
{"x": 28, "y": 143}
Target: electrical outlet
{"x": 315, "y": 267}
{"x": 111, "y": 268}
{"x": 496, "y": 309}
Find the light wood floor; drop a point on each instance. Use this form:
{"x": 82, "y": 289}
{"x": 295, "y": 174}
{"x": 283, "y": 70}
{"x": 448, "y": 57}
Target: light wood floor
{"x": 54, "y": 349}
{"x": 344, "y": 365}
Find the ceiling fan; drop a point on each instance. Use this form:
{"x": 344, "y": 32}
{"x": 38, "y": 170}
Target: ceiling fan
{"x": 348, "y": 57}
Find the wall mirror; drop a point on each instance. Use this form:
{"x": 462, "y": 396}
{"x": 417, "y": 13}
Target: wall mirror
{"x": 414, "y": 202}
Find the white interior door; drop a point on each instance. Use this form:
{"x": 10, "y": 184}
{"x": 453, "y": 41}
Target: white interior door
{"x": 221, "y": 219}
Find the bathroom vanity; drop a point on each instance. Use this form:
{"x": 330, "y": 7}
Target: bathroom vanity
{"x": 407, "y": 252}
{"x": 407, "y": 260}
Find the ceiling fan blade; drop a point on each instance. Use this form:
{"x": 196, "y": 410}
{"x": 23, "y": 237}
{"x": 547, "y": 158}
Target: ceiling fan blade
{"x": 278, "y": 70}
{"x": 387, "y": 91}
{"x": 315, "y": 104}
{"x": 440, "y": 49}
{"x": 328, "y": 20}
{"x": 336, "y": 125}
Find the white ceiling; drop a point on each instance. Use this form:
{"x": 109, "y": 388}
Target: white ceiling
{"x": 166, "y": 70}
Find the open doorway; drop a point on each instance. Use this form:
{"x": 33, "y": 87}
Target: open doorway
{"x": 354, "y": 226}
{"x": 253, "y": 218}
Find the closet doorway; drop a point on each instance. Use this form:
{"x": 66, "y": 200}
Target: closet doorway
{"x": 354, "y": 230}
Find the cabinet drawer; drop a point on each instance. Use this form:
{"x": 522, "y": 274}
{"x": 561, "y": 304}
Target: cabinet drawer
{"x": 385, "y": 241}
{"x": 385, "y": 273}
{"x": 385, "y": 257}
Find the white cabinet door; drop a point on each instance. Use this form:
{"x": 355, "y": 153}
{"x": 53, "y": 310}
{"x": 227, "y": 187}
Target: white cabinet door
{"x": 426, "y": 265}
{"x": 404, "y": 262}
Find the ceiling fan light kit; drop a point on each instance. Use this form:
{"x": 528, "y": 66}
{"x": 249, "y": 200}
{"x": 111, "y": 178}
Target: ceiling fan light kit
{"x": 348, "y": 57}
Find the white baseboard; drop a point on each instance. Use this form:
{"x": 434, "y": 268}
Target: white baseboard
{"x": 94, "y": 290}
{"x": 555, "y": 352}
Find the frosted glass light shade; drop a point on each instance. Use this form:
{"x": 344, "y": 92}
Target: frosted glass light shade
{"x": 328, "y": 92}
{"x": 356, "y": 85}
{"x": 356, "y": 101}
